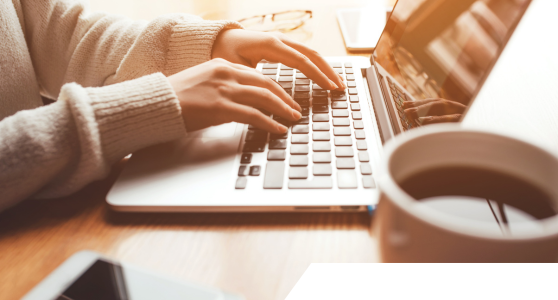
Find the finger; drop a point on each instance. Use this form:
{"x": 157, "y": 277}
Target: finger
{"x": 278, "y": 51}
{"x": 262, "y": 98}
{"x": 255, "y": 78}
{"x": 234, "y": 112}
{"x": 409, "y": 104}
{"x": 439, "y": 119}
{"x": 316, "y": 58}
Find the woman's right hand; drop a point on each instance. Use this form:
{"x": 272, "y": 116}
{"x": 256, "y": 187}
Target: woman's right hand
{"x": 218, "y": 92}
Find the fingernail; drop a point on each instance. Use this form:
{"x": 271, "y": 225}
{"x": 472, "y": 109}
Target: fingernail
{"x": 333, "y": 85}
{"x": 281, "y": 128}
{"x": 296, "y": 115}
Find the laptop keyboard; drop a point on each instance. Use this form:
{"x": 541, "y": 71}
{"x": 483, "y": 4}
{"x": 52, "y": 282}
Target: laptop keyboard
{"x": 398, "y": 97}
{"x": 329, "y": 137}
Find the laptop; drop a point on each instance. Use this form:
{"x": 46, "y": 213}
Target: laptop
{"x": 328, "y": 160}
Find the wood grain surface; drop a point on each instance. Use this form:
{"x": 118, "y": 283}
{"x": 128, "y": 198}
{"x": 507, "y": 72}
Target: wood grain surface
{"x": 261, "y": 256}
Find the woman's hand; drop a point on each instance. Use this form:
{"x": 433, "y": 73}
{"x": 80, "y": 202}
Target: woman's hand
{"x": 219, "y": 91}
{"x": 431, "y": 111}
{"x": 250, "y": 47}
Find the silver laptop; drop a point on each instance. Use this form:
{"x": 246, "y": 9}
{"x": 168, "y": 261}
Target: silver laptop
{"x": 327, "y": 161}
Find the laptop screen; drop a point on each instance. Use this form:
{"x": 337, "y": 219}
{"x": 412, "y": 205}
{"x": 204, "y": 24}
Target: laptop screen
{"x": 444, "y": 49}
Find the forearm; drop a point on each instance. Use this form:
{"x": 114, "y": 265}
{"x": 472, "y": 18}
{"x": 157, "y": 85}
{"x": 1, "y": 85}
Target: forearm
{"x": 57, "y": 149}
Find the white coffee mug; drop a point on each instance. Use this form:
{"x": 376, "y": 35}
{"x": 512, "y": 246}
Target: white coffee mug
{"x": 409, "y": 231}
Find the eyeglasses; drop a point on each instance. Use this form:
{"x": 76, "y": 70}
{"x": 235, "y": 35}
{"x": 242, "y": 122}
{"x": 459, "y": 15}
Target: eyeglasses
{"x": 283, "y": 21}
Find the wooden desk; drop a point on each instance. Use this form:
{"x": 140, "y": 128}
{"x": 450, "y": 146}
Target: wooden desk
{"x": 261, "y": 256}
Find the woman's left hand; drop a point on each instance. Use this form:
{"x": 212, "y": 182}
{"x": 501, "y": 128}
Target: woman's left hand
{"x": 250, "y": 47}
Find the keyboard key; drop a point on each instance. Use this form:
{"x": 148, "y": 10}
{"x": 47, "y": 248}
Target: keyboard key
{"x": 302, "y": 81}
{"x": 350, "y": 77}
{"x": 299, "y": 149}
{"x": 320, "y": 109}
{"x": 340, "y": 113}
{"x": 363, "y": 156}
{"x": 361, "y": 145}
{"x": 353, "y": 98}
{"x": 241, "y": 183}
{"x": 322, "y": 170}
{"x": 341, "y": 122}
{"x": 298, "y": 173}
{"x": 256, "y": 136}
{"x": 301, "y": 76}
{"x": 321, "y": 157}
{"x": 343, "y": 141}
{"x": 320, "y": 117}
{"x": 283, "y": 67}
{"x": 337, "y": 93}
{"x": 274, "y": 173}
{"x": 345, "y": 163}
{"x": 358, "y": 125}
{"x": 338, "y": 70}
{"x": 303, "y": 102}
{"x": 269, "y": 71}
{"x": 302, "y": 88}
{"x": 276, "y": 136}
{"x": 348, "y": 65}
{"x": 276, "y": 155}
{"x": 321, "y": 146}
{"x": 288, "y": 91}
{"x": 286, "y": 72}
{"x": 255, "y": 170}
{"x": 335, "y": 64}
{"x": 243, "y": 171}
{"x": 303, "y": 120}
{"x": 320, "y": 136}
{"x": 320, "y": 127}
{"x": 302, "y": 95}
{"x": 368, "y": 182}
{"x": 338, "y": 98}
{"x": 316, "y": 87}
{"x": 305, "y": 111}
{"x": 347, "y": 179}
{"x": 349, "y": 70}
{"x": 272, "y": 77}
{"x": 344, "y": 151}
{"x": 319, "y": 93}
{"x": 278, "y": 144}
{"x": 342, "y": 131}
{"x": 300, "y": 129}
{"x": 298, "y": 160}
{"x": 300, "y": 139}
{"x": 353, "y": 91}
{"x": 351, "y": 84}
{"x": 366, "y": 169}
{"x": 357, "y": 115}
{"x": 254, "y": 147}
{"x": 285, "y": 79}
{"x": 246, "y": 158}
{"x": 359, "y": 134}
{"x": 338, "y": 105}
{"x": 270, "y": 66}
{"x": 315, "y": 183}
{"x": 320, "y": 101}
{"x": 355, "y": 106}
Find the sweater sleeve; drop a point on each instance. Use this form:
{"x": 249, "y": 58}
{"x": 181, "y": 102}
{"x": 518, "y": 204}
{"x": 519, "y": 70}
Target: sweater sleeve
{"x": 69, "y": 43}
{"x": 57, "y": 149}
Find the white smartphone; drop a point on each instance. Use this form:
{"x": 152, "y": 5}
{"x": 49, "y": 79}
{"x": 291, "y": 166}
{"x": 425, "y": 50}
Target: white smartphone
{"x": 362, "y": 27}
{"x": 89, "y": 276}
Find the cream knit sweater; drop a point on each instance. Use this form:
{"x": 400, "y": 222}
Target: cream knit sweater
{"x": 108, "y": 76}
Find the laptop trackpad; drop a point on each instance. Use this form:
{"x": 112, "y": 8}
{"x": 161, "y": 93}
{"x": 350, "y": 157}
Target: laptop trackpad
{"x": 174, "y": 172}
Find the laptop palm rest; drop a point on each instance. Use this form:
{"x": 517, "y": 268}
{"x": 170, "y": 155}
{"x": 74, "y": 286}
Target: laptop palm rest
{"x": 174, "y": 173}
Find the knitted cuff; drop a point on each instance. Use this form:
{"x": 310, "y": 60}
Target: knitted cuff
{"x": 135, "y": 114}
{"x": 191, "y": 43}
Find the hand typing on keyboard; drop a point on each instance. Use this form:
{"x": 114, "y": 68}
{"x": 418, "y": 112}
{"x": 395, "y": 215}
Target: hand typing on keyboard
{"x": 430, "y": 111}
{"x": 226, "y": 89}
